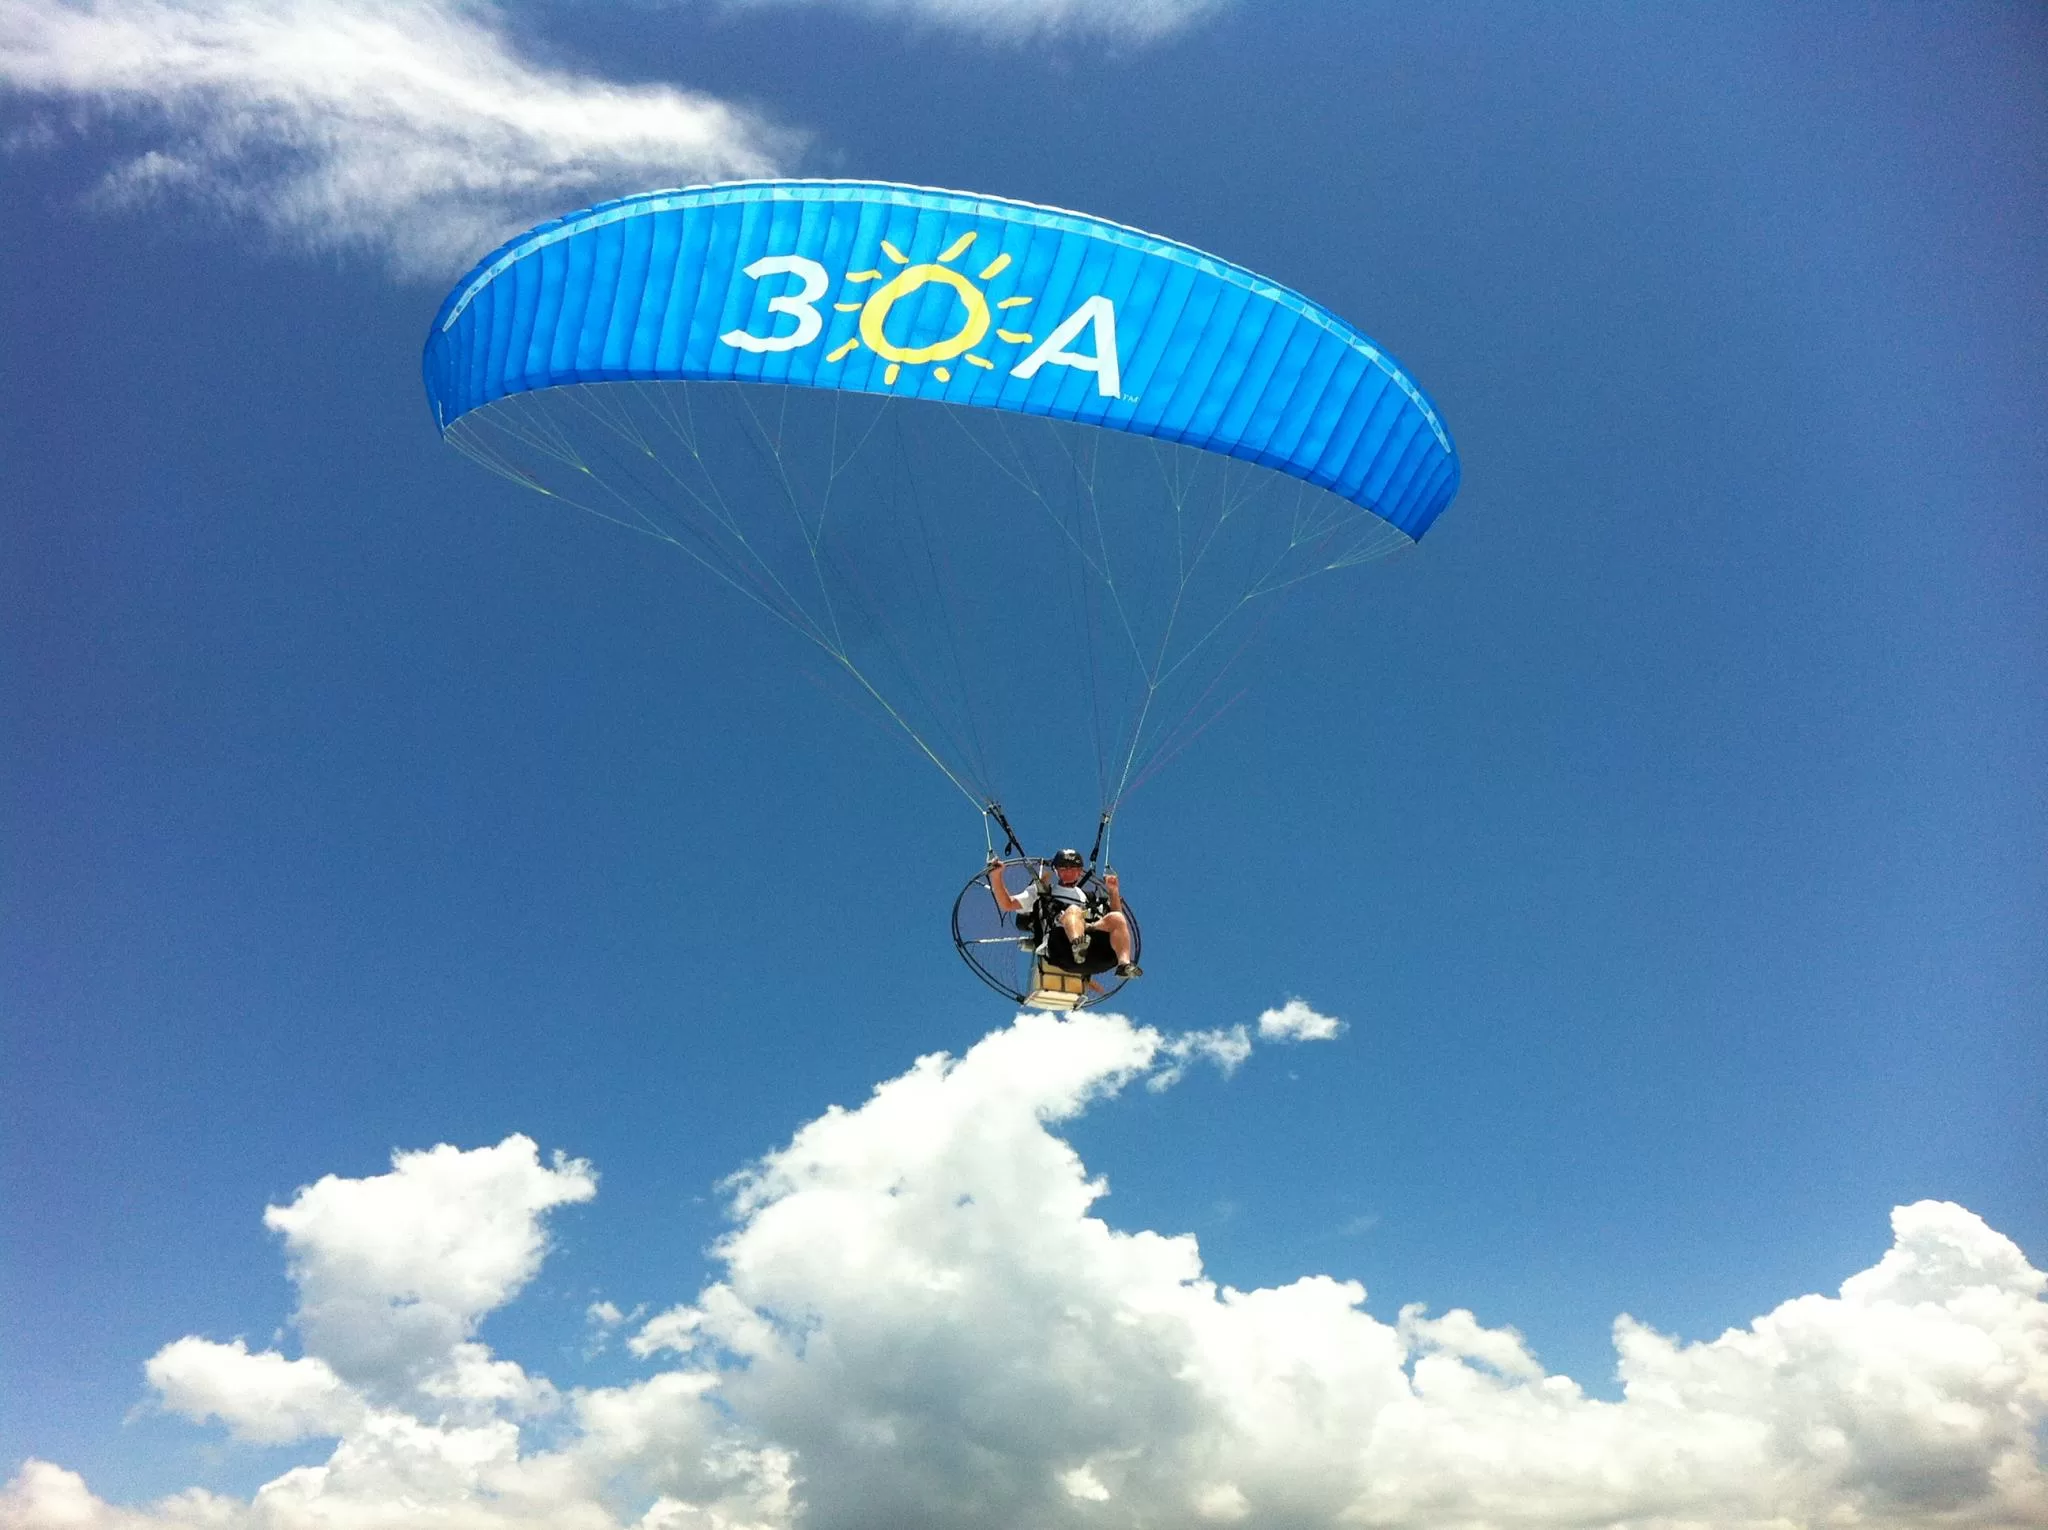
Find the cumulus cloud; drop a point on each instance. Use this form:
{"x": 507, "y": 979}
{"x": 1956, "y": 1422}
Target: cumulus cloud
{"x": 410, "y": 127}
{"x": 263, "y": 1398}
{"x": 921, "y": 1318}
{"x": 394, "y": 1272}
{"x": 1125, "y": 20}
{"x": 1295, "y": 1021}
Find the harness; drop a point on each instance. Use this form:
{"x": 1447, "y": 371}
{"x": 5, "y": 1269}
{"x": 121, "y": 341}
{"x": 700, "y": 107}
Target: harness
{"x": 1050, "y": 895}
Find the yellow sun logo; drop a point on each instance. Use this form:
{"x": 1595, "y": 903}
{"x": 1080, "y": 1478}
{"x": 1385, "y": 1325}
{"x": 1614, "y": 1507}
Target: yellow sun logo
{"x": 974, "y": 325}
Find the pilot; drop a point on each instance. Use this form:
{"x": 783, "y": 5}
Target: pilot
{"x": 1082, "y": 921}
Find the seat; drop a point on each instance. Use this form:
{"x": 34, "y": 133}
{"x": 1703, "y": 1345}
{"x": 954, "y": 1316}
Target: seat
{"x": 1055, "y": 987}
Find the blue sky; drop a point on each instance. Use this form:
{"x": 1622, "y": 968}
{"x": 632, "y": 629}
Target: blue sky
{"x": 1666, "y": 830}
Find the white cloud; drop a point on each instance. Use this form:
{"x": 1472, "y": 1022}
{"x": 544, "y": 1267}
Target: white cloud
{"x": 46, "y": 1497}
{"x": 921, "y": 1320}
{"x": 602, "y": 1320}
{"x": 263, "y": 1398}
{"x": 1295, "y": 1021}
{"x": 1225, "y": 1048}
{"x": 409, "y": 127}
{"x": 1124, "y": 20}
{"x": 394, "y": 1272}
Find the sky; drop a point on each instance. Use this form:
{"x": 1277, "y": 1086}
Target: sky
{"x": 480, "y": 1032}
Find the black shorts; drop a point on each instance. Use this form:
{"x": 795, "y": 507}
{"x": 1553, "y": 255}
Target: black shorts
{"x": 1100, "y": 957}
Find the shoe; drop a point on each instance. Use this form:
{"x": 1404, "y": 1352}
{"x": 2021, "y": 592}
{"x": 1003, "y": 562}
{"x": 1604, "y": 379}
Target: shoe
{"x": 1129, "y": 970}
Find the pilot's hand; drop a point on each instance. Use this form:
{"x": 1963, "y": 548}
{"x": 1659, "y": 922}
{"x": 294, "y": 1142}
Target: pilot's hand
{"x": 995, "y": 863}
{"x": 1109, "y": 882}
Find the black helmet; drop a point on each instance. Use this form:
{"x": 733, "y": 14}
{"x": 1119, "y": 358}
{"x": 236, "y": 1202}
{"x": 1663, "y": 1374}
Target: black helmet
{"x": 1068, "y": 858}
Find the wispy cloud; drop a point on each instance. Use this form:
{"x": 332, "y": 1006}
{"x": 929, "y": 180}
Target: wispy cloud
{"x": 1123, "y": 20}
{"x": 1226, "y": 1047}
{"x": 920, "y": 1320}
{"x": 413, "y": 128}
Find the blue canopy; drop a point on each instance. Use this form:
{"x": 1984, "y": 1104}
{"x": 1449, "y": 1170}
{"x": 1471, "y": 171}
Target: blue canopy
{"x": 941, "y": 295}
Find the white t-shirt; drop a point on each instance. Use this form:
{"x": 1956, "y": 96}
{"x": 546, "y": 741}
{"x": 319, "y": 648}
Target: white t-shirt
{"x": 1077, "y": 895}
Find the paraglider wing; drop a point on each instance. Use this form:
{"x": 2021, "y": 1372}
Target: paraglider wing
{"x": 939, "y": 295}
